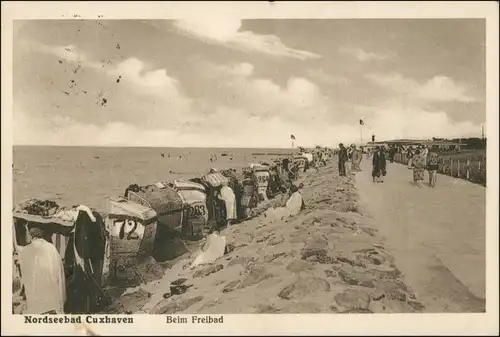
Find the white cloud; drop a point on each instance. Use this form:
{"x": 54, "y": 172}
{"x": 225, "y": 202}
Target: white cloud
{"x": 443, "y": 89}
{"x": 243, "y": 69}
{"x": 67, "y": 131}
{"x": 438, "y": 89}
{"x": 264, "y": 111}
{"x": 241, "y": 110}
{"x": 397, "y": 118}
{"x": 131, "y": 71}
{"x": 226, "y": 127}
{"x": 264, "y": 115}
{"x": 399, "y": 122}
{"x": 226, "y": 31}
{"x": 299, "y": 100}
{"x": 68, "y": 53}
{"x": 327, "y": 78}
{"x": 154, "y": 82}
{"x": 362, "y": 55}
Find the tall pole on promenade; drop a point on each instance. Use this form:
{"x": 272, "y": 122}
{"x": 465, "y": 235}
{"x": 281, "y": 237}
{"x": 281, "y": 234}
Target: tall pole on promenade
{"x": 361, "y": 123}
{"x": 292, "y": 138}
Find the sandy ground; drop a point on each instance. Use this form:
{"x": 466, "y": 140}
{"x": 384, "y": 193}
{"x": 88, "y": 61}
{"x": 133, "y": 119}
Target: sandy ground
{"x": 437, "y": 235}
{"x": 329, "y": 259}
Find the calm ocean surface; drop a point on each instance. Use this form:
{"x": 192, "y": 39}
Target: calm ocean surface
{"x": 91, "y": 175}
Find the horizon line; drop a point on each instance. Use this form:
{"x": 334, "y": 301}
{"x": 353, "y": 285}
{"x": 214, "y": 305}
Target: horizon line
{"x": 222, "y": 147}
{"x": 160, "y": 147}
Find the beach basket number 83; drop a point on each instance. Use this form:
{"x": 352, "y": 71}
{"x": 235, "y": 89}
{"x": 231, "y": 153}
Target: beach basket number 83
{"x": 196, "y": 210}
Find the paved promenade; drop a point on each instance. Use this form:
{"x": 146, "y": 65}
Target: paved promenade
{"x": 436, "y": 234}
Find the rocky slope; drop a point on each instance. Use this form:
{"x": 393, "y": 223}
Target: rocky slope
{"x": 326, "y": 259}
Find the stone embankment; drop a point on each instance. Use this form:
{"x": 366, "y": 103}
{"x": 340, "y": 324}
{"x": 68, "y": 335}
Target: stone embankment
{"x": 327, "y": 259}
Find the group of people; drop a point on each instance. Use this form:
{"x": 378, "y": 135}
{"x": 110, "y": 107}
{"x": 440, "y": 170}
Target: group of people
{"x": 349, "y": 156}
{"x": 420, "y": 158}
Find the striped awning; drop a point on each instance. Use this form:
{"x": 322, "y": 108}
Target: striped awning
{"x": 188, "y": 185}
{"x": 215, "y": 179}
{"x": 259, "y": 167}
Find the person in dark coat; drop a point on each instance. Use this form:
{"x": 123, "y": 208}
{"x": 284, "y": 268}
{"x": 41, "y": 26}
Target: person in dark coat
{"x": 343, "y": 158}
{"x": 379, "y": 165}
{"x": 85, "y": 256}
{"x": 285, "y": 162}
{"x": 392, "y": 153}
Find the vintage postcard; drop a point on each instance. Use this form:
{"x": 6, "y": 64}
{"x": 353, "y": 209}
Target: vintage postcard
{"x": 249, "y": 168}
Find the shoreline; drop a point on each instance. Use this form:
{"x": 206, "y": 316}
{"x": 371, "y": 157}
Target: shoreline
{"x": 326, "y": 259}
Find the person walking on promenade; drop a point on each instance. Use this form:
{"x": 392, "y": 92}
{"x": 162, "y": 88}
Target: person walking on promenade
{"x": 343, "y": 157}
{"x": 432, "y": 167}
{"x": 353, "y": 157}
{"x": 424, "y": 151}
{"x": 419, "y": 165}
{"x": 392, "y": 153}
{"x": 356, "y": 157}
{"x": 359, "y": 159}
{"x": 349, "y": 158}
{"x": 379, "y": 165}
{"x": 410, "y": 157}
{"x": 369, "y": 153}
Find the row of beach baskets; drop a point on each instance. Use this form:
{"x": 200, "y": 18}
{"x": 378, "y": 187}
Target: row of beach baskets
{"x": 150, "y": 220}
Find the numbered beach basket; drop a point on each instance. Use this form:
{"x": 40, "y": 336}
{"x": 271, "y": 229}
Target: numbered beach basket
{"x": 260, "y": 177}
{"x": 216, "y": 207}
{"x": 274, "y": 182}
{"x": 169, "y": 207}
{"x": 301, "y": 162}
{"x": 247, "y": 198}
{"x": 164, "y": 200}
{"x": 194, "y": 199}
{"x": 132, "y": 229}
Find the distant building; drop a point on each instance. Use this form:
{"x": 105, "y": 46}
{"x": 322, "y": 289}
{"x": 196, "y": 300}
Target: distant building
{"x": 435, "y": 143}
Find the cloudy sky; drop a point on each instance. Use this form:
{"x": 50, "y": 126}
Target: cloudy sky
{"x": 246, "y": 83}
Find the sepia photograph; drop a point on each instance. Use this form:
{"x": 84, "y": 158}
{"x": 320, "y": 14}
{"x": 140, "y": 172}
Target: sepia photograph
{"x": 214, "y": 164}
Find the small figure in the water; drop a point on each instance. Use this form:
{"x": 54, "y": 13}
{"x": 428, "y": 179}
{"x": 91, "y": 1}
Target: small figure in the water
{"x": 163, "y": 155}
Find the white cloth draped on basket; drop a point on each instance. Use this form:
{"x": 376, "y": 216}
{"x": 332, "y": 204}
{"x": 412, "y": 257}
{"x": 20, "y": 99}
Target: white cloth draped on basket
{"x": 227, "y": 194}
{"x": 292, "y": 207}
{"x": 43, "y": 277}
{"x": 212, "y": 249}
